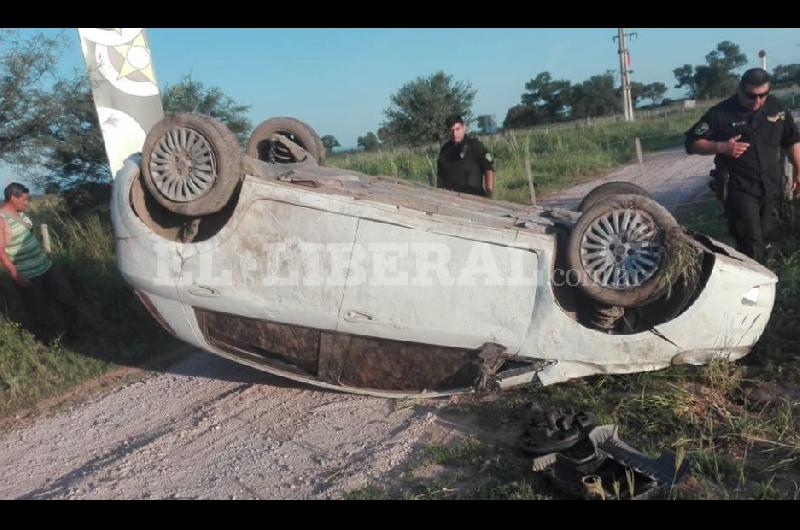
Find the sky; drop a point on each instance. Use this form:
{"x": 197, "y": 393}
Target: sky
{"x": 340, "y": 80}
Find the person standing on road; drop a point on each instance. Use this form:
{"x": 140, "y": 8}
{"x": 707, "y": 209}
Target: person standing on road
{"x": 746, "y": 133}
{"x": 464, "y": 165}
{"x": 30, "y": 267}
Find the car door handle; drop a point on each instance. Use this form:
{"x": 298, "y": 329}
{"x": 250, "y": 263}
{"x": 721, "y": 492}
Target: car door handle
{"x": 358, "y": 316}
{"x": 202, "y": 290}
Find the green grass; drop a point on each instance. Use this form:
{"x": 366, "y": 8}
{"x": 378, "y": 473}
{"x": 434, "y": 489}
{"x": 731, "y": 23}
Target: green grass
{"x": 502, "y": 475}
{"x": 559, "y": 157}
{"x": 114, "y": 330}
{"x": 705, "y": 215}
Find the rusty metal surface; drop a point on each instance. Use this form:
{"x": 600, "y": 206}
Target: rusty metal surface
{"x": 369, "y": 362}
{"x": 294, "y": 345}
{"x": 343, "y": 359}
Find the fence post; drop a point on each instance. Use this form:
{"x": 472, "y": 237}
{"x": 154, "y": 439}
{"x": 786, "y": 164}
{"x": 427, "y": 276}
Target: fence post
{"x": 530, "y": 179}
{"x": 46, "y": 239}
{"x": 639, "y": 158}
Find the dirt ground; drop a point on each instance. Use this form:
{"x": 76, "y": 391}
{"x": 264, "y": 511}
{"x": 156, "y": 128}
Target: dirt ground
{"x": 208, "y": 428}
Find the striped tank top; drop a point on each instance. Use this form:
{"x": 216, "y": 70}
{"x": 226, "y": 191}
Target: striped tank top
{"x": 23, "y": 249}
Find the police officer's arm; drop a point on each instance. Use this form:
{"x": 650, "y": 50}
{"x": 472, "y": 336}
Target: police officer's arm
{"x": 794, "y": 156}
{"x": 699, "y": 139}
{"x": 732, "y": 147}
{"x": 485, "y": 162}
{"x": 439, "y": 173}
{"x": 17, "y": 276}
{"x": 791, "y": 142}
{"x": 489, "y": 182}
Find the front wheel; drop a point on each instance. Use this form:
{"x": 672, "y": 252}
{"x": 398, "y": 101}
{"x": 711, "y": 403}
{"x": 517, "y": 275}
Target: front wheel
{"x": 191, "y": 164}
{"x": 618, "y": 250}
{"x": 263, "y": 147}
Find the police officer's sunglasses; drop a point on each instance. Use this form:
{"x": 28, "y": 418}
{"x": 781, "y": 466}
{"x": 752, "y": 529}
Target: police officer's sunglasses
{"x": 750, "y": 95}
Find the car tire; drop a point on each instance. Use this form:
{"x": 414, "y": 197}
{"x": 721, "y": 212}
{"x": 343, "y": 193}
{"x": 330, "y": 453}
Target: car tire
{"x": 618, "y": 250}
{"x": 192, "y": 164}
{"x": 259, "y": 145}
{"x": 611, "y": 188}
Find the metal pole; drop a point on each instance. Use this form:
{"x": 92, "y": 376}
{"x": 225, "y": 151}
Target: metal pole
{"x": 623, "y": 70}
{"x": 627, "y": 54}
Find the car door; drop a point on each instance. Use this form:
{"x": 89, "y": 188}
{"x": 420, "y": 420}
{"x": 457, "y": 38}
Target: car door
{"x": 417, "y": 285}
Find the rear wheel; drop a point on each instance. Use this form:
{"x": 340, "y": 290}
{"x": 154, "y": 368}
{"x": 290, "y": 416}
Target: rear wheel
{"x": 609, "y": 189}
{"x": 618, "y": 250}
{"x": 262, "y": 146}
{"x": 191, "y": 164}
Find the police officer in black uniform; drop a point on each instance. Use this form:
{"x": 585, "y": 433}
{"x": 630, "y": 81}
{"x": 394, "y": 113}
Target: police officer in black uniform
{"x": 464, "y": 162}
{"x": 746, "y": 132}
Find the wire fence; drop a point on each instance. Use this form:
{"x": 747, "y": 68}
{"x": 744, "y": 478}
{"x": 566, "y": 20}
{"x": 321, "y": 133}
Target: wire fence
{"x": 649, "y": 114}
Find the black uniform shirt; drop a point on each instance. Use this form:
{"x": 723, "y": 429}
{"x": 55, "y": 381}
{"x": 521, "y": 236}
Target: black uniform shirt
{"x": 461, "y": 166}
{"x": 758, "y": 170}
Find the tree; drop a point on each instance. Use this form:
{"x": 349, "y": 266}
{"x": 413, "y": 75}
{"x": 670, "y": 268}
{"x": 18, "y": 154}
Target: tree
{"x": 26, "y": 110}
{"x": 418, "y": 111}
{"x": 330, "y": 141}
{"x": 520, "y": 116}
{"x": 786, "y": 75}
{"x": 387, "y": 136}
{"x": 685, "y": 76}
{"x": 716, "y": 77}
{"x": 74, "y": 151}
{"x": 654, "y": 92}
{"x": 549, "y": 96}
{"x": 189, "y": 95}
{"x": 595, "y": 97}
{"x": 369, "y": 141}
{"x": 639, "y": 91}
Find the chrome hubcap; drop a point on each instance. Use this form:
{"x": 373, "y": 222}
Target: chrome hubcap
{"x": 621, "y": 249}
{"x": 183, "y": 165}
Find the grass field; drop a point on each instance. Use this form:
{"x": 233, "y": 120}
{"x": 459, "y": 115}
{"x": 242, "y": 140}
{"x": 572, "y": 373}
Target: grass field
{"x": 559, "y": 157}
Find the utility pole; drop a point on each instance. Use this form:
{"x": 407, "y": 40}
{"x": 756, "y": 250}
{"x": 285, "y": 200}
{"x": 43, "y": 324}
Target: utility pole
{"x": 624, "y": 68}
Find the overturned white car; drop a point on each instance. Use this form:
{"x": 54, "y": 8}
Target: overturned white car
{"x": 371, "y": 285}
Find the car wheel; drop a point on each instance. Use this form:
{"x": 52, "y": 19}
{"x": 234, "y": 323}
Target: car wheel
{"x": 262, "y": 147}
{"x": 191, "y": 164}
{"x": 611, "y": 188}
{"x": 618, "y": 250}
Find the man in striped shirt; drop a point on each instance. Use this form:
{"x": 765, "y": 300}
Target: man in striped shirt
{"x": 30, "y": 267}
